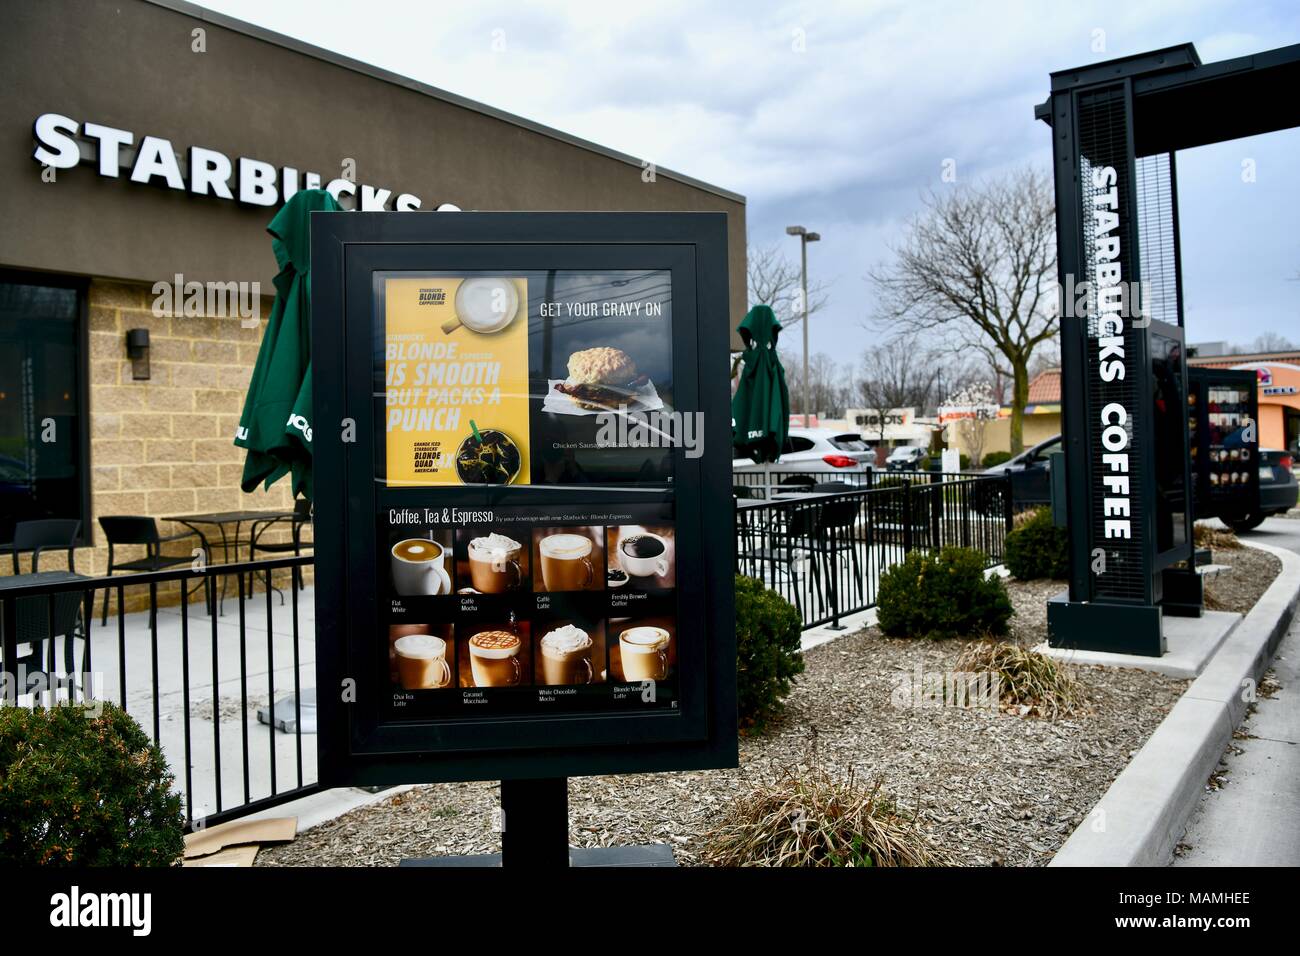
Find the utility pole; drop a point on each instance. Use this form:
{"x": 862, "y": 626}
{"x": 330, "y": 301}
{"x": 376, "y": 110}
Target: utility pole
{"x": 805, "y": 237}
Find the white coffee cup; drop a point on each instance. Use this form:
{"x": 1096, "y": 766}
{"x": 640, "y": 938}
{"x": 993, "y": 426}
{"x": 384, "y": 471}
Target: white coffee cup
{"x": 418, "y": 568}
{"x": 655, "y": 564}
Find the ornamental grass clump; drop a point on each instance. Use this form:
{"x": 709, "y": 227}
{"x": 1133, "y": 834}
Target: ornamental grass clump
{"x": 1030, "y": 683}
{"x": 809, "y": 818}
{"x": 1216, "y": 539}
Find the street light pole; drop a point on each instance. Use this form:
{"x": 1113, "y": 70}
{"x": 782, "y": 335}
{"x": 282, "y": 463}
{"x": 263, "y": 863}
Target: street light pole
{"x": 805, "y": 237}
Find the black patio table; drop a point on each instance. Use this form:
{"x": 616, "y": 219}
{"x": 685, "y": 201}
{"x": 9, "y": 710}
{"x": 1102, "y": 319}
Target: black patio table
{"x": 221, "y": 520}
{"x": 31, "y": 616}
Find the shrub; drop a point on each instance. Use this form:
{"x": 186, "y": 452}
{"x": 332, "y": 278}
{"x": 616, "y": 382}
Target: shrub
{"x": 768, "y": 658}
{"x": 81, "y": 790}
{"x": 811, "y": 819}
{"x": 996, "y": 458}
{"x": 943, "y": 595}
{"x": 1029, "y": 682}
{"x": 1037, "y": 548}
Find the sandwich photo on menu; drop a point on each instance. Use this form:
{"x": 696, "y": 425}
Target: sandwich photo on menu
{"x": 602, "y": 379}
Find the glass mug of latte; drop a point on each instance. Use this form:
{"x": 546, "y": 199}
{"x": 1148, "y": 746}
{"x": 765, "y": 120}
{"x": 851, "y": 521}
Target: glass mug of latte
{"x": 422, "y": 662}
{"x": 644, "y": 651}
{"x": 494, "y": 564}
{"x": 642, "y": 555}
{"x": 566, "y": 562}
{"x": 494, "y": 659}
{"x": 566, "y": 656}
{"x": 418, "y": 568}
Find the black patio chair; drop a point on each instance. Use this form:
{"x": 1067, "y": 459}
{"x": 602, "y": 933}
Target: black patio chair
{"x": 32, "y": 615}
{"x": 140, "y": 530}
{"x": 300, "y": 518}
{"x": 48, "y": 534}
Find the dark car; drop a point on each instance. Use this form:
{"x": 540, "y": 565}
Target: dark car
{"x": 1030, "y": 473}
{"x": 1277, "y": 490}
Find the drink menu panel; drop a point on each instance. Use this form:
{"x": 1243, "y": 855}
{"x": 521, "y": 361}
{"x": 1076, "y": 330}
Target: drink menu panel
{"x": 536, "y": 603}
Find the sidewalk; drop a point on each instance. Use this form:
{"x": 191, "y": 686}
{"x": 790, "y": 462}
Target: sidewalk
{"x": 1254, "y": 820}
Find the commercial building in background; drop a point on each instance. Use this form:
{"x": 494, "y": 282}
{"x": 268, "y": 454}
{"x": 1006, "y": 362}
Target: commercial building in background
{"x": 1278, "y": 375}
{"x": 144, "y": 147}
{"x": 1042, "y": 419}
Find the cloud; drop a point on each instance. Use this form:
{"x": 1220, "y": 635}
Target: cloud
{"x": 836, "y": 115}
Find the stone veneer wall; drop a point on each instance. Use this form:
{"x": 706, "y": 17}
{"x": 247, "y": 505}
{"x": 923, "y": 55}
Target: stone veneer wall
{"x": 165, "y": 446}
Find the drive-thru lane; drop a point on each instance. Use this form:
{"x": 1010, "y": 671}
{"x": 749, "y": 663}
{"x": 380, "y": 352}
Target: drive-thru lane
{"x": 1254, "y": 820}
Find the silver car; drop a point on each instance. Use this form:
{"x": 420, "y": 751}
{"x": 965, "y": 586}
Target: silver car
{"x": 812, "y": 456}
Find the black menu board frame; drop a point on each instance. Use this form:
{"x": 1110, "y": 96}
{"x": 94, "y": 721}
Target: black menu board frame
{"x": 361, "y": 739}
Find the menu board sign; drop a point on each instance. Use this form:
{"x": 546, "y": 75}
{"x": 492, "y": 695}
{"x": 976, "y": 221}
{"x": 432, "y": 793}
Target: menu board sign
{"x": 525, "y": 555}
{"x": 497, "y": 380}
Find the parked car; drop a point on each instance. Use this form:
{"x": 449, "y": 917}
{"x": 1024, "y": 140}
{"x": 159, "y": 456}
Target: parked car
{"x": 1031, "y": 474}
{"x": 1278, "y": 490}
{"x": 905, "y": 458}
{"x": 811, "y": 456}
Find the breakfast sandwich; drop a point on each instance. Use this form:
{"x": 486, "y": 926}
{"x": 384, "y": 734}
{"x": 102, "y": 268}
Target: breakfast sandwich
{"x": 601, "y": 379}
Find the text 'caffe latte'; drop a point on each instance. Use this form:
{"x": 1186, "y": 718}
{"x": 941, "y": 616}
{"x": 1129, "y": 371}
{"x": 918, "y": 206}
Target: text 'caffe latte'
{"x": 494, "y": 659}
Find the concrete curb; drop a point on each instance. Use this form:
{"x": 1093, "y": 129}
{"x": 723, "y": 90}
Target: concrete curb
{"x": 1144, "y": 814}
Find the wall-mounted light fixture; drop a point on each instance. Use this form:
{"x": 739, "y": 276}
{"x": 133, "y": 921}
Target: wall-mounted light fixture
{"x": 137, "y": 350}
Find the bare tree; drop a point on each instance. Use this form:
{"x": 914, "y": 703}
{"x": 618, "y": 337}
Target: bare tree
{"x": 774, "y": 280}
{"x": 978, "y": 264}
{"x": 828, "y": 385}
{"x": 897, "y": 374}
{"x": 1267, "y": 342}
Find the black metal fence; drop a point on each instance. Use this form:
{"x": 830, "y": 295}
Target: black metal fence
{"x": 197, "y": 681}
{"x": 825, "y": 552}
{"x": 194, "y": 680}
{"x": 773, "y": 483}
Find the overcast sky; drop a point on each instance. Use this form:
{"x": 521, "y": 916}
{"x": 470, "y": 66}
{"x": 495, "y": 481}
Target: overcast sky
{"x": 838, "y": 115}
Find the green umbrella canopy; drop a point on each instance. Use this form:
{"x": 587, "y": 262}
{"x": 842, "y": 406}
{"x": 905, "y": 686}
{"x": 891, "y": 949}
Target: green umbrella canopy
{"x": 760, "y": 409}
{"x": 276, "y": 425}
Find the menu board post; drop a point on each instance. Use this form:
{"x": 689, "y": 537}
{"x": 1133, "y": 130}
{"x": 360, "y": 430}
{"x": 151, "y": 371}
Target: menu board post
{"x": 524, "y": 532}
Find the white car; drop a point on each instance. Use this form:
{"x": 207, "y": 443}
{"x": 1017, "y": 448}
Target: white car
{"x": 811, "y": 456}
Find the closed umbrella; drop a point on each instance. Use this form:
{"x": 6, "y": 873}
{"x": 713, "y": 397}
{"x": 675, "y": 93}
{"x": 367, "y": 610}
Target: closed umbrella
{"x": 760, "y": 409}
{"x": 276, "y": 425}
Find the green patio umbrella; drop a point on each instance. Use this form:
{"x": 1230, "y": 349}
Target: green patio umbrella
{"x": 276, "y": 425}
{"x": 760, "y": 409}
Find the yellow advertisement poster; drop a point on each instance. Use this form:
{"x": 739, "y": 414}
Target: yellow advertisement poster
{"x": 456, "y": 380}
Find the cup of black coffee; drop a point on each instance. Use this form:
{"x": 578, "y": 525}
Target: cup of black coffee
{"x": 642, "y": 555}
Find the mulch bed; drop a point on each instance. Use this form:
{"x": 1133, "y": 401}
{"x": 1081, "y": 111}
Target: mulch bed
{"x": 993, "y": 787}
